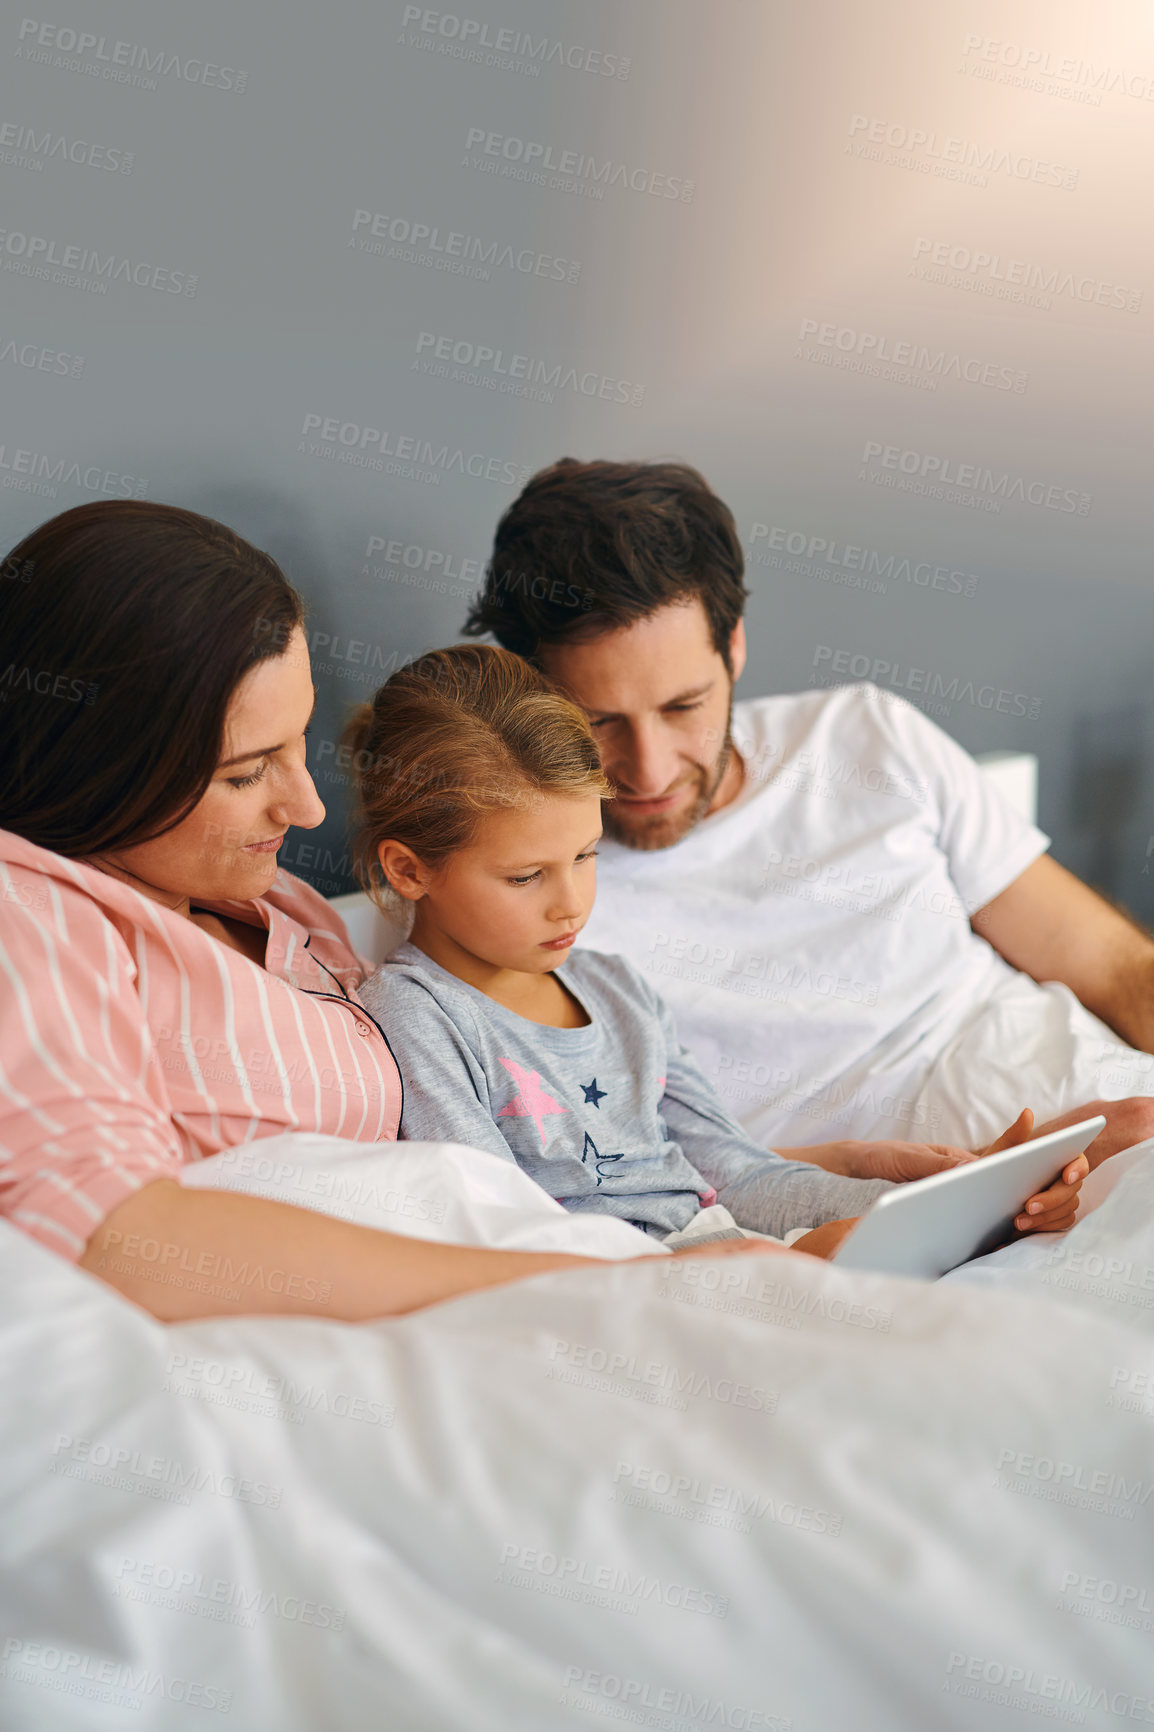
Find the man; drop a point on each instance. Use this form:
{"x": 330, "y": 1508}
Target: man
{"x": 851, "y": 925}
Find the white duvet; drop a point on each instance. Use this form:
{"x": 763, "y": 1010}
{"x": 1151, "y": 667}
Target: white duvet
{"x": 678, "y": 1494}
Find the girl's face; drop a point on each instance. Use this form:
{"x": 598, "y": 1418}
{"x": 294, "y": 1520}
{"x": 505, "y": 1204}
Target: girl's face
{"x": 517, "y": 896}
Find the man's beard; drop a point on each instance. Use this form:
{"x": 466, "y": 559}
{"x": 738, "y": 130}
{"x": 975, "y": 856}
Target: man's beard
{"x": 663, "y": 830}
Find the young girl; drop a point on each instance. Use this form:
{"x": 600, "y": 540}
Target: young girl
{"x": 480, "y": 800}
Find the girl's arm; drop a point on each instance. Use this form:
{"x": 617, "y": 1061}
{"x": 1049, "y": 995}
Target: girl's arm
{"x": 191, "y": 1253}
{"x": 760, "y": 1189}
{"x": 1048, "y": 1211}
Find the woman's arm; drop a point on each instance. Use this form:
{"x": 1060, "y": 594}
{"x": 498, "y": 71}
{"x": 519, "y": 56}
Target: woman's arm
{"x": 196, "y": 1253}
{"x": 182, "y": 1254}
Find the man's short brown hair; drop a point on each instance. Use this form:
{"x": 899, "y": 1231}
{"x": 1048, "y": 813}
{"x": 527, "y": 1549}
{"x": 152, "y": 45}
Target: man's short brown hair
{"x": 588, "y": 547}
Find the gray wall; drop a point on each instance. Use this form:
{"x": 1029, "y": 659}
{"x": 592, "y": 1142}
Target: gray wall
{"x": 839, "y": 255}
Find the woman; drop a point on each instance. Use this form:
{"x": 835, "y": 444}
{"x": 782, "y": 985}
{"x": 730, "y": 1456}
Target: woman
{"x": 167, "y": 994}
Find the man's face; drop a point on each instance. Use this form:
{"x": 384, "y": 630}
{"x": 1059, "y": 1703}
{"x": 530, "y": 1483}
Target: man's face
{"x": 658, "y": 697}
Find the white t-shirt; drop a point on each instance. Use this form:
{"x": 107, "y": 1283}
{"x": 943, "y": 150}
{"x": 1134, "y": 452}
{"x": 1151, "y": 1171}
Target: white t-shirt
{"x": 813, "y": 937}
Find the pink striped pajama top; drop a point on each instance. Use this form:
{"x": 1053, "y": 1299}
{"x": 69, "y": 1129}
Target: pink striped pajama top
{"x": 131, "y": 1041}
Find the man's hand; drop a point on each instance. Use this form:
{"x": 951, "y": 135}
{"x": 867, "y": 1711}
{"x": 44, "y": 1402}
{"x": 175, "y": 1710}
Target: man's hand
{"x": 1128, "y": 1121}
{"x": 898, "y": 1162}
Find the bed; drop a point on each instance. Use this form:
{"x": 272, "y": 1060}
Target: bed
{"x": 762, "y": 1493}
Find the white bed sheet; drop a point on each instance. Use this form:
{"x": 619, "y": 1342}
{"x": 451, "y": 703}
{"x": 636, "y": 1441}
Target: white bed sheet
{"x": 757, "y": 1493}
{"x": 1033, "y": 1046}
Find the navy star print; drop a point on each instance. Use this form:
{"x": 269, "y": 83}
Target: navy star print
{"x": 591, "y": 1148}
{"x": 593, "y": 1095}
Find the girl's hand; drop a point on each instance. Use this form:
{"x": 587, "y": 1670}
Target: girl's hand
{"x": 898, "y": 1162}
{"x": 1051, "y": 1210}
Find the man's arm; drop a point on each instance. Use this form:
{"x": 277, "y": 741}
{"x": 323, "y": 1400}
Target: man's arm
{"x": 1053, "y": 927}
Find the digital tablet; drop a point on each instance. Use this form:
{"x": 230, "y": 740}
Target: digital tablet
{"x": 931, "y": 1225}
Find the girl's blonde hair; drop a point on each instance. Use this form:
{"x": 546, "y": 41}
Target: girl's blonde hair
{"x": 455, "y": 734}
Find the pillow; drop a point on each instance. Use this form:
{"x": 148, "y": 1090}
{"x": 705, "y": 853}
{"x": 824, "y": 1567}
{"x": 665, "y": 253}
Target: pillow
{"x": 441, "y": 1191}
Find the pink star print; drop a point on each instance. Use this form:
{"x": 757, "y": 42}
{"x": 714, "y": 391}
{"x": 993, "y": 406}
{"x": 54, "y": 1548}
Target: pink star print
{"x": 532, "y": 1102}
